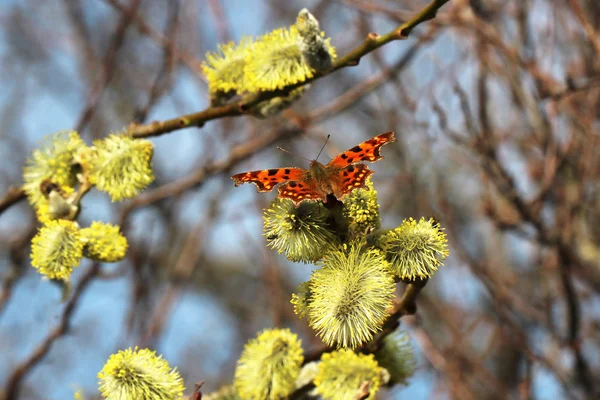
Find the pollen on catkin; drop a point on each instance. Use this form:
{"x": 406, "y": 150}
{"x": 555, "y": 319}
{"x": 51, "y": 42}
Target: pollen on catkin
{"x": 283, "y": 57}
{"x": 269, "y": 365}
{"x": 103, "y": 242}
{"x": 397, "y": 357}
{"x": 224, "y": 69}
{"x": 134, "y": 374}
{"x": 42, "y": 212}
{"x": 350, "y": 295}
{"x": 278, "y": 59}
{"x": 275, "y": 62}
{"x": 415, "y": 250}
{"x": 53, "y": 160}
{"x": 300, "y": 233}
{"x": 57, "y": 249}
{"x": 362, "y": 210}
{"x": 301, "y": 299}
{"x": 342, "y": 373}
{"x": 121, "y": 166}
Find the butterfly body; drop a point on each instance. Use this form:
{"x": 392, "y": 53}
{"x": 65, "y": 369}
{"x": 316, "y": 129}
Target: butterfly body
{"x": 340, "y": 176}
{"x": 318, "y": 175}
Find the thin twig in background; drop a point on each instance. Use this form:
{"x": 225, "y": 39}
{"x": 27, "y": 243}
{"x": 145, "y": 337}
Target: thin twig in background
{"x": 20, "y": 372}
{"x": 108, "y": 66}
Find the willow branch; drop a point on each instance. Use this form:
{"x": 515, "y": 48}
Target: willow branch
{"x": 238, "y": 108}
{"x": 12, "y": 196}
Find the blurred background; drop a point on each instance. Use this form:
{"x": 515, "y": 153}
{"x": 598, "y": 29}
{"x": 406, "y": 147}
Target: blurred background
{"x": 496, "y": 105}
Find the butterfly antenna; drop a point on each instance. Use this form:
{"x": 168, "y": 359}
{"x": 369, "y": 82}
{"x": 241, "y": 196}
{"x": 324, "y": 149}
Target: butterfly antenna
{"x": 289, "y": 152}
{"x": 324, "y": 144}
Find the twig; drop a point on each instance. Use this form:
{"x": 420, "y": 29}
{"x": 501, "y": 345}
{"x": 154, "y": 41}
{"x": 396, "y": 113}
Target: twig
{"x": 179, "y": 54}
{"x": 108, "y": 66}
{"x": 19, "y": 373}
{"x": 164, "y": 78}
{"x": 16, "y": 266}
{"x": 588, "y": 27}
{"x": 12, "y": 196}
{"x": 237, "y": 108}
{"x": 197, "y": 394}
{"x": 368, "y": 85}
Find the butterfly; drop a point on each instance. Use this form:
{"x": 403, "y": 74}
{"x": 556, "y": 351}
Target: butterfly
{"x": 344, "y": 173}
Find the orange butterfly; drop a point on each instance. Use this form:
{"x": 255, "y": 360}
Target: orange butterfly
{"x": 339, "y": 177}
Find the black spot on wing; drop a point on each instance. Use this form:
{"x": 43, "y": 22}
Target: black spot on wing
{"x": 287, "y": 171}
{"x": 272, "y": 172}
{"x": 261, "y": 186}
{"x": 356, "y": 149}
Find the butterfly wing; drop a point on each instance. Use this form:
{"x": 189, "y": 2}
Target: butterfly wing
{"x": 366, "y": 151}
{"x": 266, "y": 179}
{"x": 298, "y": 191}
{"x": 350, "y": 178}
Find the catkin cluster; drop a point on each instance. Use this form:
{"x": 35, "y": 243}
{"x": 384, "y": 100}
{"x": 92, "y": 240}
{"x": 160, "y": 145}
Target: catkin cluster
{"x": 274, "y": 61}
{"x": 347, "y": 297}
{"x": 346, "y": 300}
{"x": 57, "y": 176}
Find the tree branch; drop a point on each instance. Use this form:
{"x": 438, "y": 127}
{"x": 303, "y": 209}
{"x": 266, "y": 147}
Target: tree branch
{"x": 19, "y": 373}
{"x": 238, "y": 108}
{"x": 12, "y": 196}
